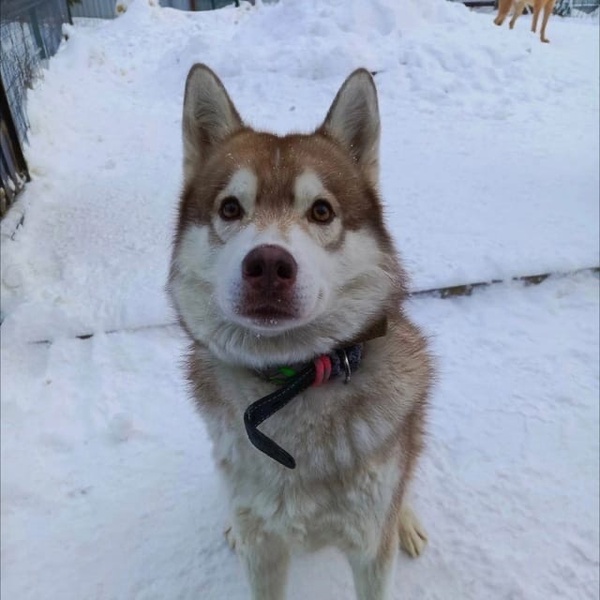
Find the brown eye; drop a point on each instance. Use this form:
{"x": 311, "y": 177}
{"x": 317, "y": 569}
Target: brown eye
{"x": 231, "y": 209}
{"x": 321, "y": 212}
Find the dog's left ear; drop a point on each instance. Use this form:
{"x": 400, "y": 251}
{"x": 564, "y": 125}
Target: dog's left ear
{"x": 353, "y": 121}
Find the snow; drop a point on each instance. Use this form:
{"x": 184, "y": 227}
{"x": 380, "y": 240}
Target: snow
{"x": 490, "y": 158}
{"x": 109, "y": 490}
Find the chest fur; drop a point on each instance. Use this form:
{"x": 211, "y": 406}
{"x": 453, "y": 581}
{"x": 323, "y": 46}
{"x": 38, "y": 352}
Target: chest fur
{"x": 342, "y": 486}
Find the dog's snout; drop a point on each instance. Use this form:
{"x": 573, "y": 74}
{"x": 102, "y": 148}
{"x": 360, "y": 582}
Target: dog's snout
{"x": 269, "y": 266}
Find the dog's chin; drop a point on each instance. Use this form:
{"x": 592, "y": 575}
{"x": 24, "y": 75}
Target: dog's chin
{"x": 263, "y": 334}
{"x": 256, "y": 343}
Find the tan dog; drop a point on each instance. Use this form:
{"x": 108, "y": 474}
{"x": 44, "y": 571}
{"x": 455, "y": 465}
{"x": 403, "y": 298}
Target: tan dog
{"x": 289, "y": 286}
{"x": 505, "y": 6}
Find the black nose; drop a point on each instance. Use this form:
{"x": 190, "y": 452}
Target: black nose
{"x": 269, "y": 267}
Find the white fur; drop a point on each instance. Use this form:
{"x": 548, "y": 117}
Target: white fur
{"x": 207, "y": 279}
{"x": 277, "y": 495}
{"x": 307, "y": 188}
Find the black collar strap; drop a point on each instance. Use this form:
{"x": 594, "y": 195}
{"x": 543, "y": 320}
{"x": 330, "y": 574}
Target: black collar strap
{"x": 319, "y": 371}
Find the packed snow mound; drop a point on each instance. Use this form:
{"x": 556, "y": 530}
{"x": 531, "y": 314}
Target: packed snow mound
{"x": 316, "y": 40}
{"x": 432, "y": 48}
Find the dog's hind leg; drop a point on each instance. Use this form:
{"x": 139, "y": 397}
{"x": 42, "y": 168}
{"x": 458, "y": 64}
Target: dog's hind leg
{"x": 413, "y": 537}
{"x": 518, "y": 12}
{"x": 373, "y": 574}
{"x": 548, "y": 8}
{"x": 503, "y": 10}
{"x": 537, "y": 8}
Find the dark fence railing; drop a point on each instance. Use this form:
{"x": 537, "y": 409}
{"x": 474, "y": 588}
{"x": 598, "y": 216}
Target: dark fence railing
{"x": 105, "y": 9}
{"x": 30, "y": 33}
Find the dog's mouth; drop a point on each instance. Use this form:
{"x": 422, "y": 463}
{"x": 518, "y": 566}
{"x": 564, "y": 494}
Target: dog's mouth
{"x": 269, "y": 314}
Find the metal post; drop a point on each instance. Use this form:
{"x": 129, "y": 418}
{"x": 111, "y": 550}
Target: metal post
{"x": 69, "y": 15}
{"x": 37, "y": 34}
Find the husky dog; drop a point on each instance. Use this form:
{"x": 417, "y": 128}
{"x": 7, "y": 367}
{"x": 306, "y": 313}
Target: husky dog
{"x": 288, "y": 284}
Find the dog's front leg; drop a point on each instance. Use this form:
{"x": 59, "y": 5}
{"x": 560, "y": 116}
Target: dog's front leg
{"x": 373, "y": 574}
{"x": 266, "y": 559}
{"x": 503, "y": 10}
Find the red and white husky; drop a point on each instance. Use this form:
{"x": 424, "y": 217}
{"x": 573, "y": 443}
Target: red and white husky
{"x": 283, "y": 269}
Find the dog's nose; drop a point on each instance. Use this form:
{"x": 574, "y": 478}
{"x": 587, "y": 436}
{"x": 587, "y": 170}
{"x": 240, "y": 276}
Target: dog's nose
{"x": 269, "y": 267}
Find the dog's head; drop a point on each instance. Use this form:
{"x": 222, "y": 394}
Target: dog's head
{"x": 281, "y": 252}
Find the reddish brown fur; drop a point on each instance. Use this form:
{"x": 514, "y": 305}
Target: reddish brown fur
{"x": 295, "y": 153}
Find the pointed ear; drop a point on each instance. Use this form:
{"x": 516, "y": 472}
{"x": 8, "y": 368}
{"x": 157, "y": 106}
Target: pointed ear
{"x": 209, "y": 116}
{"x": 353, "y": 121}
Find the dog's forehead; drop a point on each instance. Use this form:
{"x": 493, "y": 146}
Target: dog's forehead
{"x": 283, "y": 164}
{"x": 281, "y": 171}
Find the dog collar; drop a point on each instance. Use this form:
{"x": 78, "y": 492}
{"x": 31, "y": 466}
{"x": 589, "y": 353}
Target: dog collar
{"x": 326, "y": 367}
{"x": 296, "y": 379}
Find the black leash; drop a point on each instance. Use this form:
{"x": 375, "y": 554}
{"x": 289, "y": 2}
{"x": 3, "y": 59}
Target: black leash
{"x": 319, "y": 371}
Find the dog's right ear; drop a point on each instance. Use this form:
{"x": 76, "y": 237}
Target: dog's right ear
{"x": 209, "y": 116}
{"x": 353, "y": 120}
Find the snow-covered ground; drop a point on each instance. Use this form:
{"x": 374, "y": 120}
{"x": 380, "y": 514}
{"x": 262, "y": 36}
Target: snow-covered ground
{"x": 490, "y": 157}
{"x": 109, "y": 492}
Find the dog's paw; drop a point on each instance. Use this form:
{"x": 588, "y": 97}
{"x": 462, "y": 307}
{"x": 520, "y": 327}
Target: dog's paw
{"x": 413, "y": 537}
{"x": 230, "y": 537}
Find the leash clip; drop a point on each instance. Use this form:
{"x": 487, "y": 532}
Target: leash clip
{"x": 346, "y": 364}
